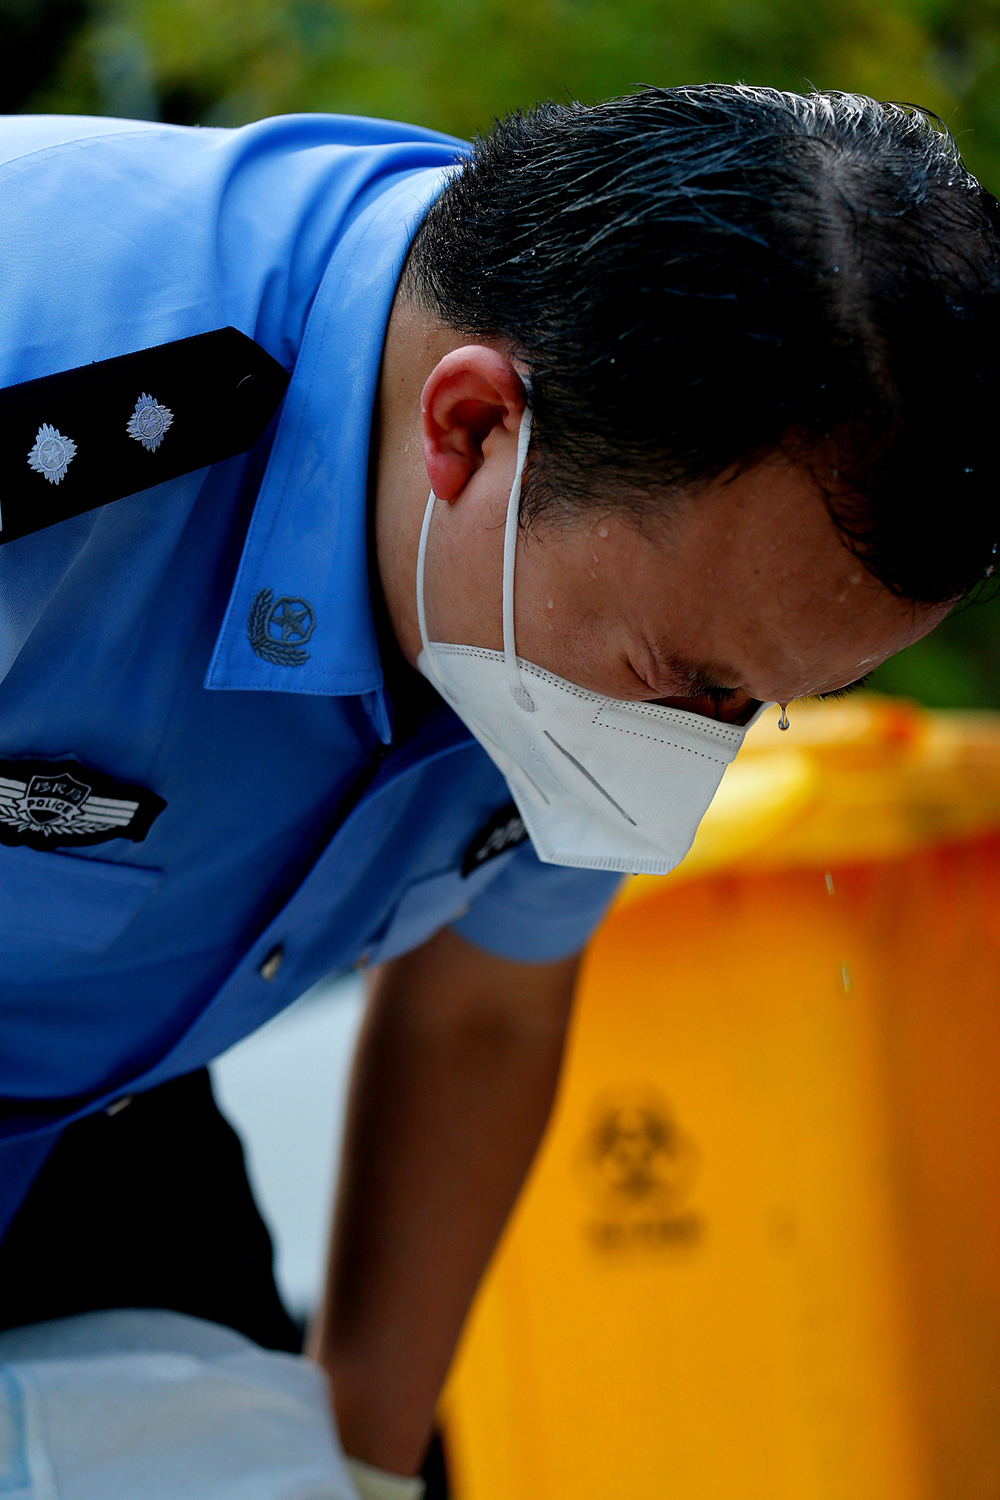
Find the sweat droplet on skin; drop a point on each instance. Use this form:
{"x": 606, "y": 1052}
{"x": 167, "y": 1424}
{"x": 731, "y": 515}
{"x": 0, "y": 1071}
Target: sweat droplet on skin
{"x": 548, "y": 604}
{"x": 783, "y": 721}
{"x": 603, "y": 532}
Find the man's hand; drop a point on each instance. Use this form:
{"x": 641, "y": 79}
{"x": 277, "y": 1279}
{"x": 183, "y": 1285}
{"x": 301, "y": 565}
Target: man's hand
{"x": 452, "y": 1085}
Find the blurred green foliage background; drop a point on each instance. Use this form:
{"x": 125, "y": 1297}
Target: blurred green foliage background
{"x": 455, "y": 64}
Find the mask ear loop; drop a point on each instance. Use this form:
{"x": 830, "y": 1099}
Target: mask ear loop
{"x": 519, "y": 692}
{"x": 425, "y": 531}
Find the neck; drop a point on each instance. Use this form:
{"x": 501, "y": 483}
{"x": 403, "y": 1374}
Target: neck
{"x": 415, "y": 342}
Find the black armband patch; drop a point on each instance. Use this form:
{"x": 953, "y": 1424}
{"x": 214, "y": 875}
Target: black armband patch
{"x": 82, "y": 438}
{"x": 505, "y": 830}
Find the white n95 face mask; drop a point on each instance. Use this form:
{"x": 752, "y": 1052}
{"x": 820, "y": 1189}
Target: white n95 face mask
{"x": 601, "y": 783}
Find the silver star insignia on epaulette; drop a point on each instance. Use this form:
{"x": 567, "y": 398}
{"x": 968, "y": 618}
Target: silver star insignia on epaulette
{"x": 52, "y": 453}
{"x": 149, "y": 422}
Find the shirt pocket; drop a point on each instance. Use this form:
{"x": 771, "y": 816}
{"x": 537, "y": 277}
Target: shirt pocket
{"x": 54, "y": 907}
{"x": 429, "y": 904}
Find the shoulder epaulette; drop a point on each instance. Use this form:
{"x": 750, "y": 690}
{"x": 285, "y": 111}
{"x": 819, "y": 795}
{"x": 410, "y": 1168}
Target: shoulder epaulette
{"x": 79, "y": 439}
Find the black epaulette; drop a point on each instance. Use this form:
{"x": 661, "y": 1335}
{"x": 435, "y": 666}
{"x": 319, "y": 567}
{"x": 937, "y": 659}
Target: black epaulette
{"x": 81, "y": 438}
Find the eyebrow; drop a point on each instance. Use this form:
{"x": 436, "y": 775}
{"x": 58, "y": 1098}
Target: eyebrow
{"x": 710, "y": 679}
{"x": 715, "y": 679}
{"x": 842, "y": 692}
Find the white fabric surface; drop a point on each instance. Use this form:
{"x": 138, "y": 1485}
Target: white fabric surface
{"x": 376, "y": 1484}
{"x": 155, "y": 1406}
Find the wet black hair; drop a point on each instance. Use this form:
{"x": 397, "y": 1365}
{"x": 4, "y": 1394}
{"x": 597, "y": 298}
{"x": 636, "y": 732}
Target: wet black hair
{"x": 700, "y": 277}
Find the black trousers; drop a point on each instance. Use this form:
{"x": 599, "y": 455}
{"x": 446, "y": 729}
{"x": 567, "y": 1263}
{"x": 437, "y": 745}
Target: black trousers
{"x": 149, "y": 1207}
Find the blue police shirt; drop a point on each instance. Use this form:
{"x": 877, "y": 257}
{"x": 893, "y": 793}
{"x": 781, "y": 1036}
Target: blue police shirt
{"x": 138, "y": 640}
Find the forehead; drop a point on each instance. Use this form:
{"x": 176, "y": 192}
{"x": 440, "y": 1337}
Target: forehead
{"x": 749, "y": 583}
{"x": 770, "y": 522}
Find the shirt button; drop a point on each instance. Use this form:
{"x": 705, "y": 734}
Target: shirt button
{"x": 272, "y": 963}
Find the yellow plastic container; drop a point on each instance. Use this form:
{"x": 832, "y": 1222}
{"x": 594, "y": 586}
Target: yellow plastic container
{"x": 759, "y": 1255}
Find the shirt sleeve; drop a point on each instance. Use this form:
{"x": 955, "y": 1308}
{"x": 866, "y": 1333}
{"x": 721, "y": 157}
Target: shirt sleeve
{"x": 536, "y": 913}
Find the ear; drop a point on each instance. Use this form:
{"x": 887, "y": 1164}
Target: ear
{"x": 470, "y": 405}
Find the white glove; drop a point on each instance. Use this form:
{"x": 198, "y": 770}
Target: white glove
{"x": 376, "y": 1484}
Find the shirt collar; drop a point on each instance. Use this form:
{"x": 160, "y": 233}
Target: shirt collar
{"x": 299, "y": 618}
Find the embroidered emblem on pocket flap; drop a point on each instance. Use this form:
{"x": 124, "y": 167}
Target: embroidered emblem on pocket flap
{"x": 50, "y": 803}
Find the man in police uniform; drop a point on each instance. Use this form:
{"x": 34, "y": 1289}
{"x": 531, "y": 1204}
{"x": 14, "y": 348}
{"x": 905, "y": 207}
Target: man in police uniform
{"x": 221, "y": 776}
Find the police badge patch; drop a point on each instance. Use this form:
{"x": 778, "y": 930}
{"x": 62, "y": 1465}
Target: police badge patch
{"x": 46, "y": 804}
